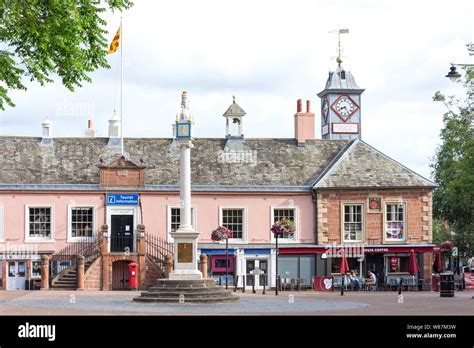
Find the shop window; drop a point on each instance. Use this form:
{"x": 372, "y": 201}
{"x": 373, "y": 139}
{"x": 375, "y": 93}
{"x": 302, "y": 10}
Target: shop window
{"x": 36, "y": 269}
{"x": 285, "y": 213}
{"x": 301, "y": 267}
{"x": 39, "y": 223}
{"x": 353, "y": 263}
{"x": 395, "y": 222}
{"x": 398, "y": 264}
{"x": 82, "y": 222}
{"x": 353, "y": 222}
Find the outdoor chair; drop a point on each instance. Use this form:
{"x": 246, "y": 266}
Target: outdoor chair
{"x": 337, "y": 282}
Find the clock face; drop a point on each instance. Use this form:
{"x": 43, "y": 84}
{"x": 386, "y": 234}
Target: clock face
{"x": 325, "y": 109}
{"x": 183, "y": 130}
{"x": 345, "y": 107}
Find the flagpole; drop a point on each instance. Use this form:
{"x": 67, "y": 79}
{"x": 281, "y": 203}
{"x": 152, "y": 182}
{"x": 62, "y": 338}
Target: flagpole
{"x": 121, "y": 86}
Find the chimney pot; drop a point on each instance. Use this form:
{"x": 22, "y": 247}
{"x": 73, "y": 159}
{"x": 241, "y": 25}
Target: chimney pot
{"x": 308, "y": 106}
{"x": 90, "y": 131}
{"x": 299, "y": 106}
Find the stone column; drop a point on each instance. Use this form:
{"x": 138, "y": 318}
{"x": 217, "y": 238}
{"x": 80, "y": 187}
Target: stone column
{"x": 44, "y": 272}
{"x": 141, "y": 249}
{"x": 168, "y": 265}
{"x": 104, "y": 246}
{"x": 203, "y": 258}
{"x": 185, "y": 238}
{"x": 80, "y": 272}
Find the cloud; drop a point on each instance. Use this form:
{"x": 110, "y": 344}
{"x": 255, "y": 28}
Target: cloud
{"x": 269, "y": 54}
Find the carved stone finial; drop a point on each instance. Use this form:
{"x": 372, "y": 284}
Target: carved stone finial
{"x": 184, "y": 116}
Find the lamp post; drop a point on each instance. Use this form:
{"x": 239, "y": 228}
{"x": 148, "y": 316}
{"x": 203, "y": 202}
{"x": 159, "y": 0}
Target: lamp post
{"x": 218, "y": 235}
{"x": 276, "y": 268}
{"x": 226, "y": 262}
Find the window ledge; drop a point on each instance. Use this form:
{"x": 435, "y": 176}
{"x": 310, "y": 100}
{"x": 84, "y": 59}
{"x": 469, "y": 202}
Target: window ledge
{"x": 39, "y": 240}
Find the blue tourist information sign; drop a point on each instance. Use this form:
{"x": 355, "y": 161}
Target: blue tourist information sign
{"x": 122, "y": 198}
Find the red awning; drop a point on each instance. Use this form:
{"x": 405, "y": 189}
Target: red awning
{"x": 367, "y": 250}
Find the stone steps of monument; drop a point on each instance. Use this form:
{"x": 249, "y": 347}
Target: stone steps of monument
{"x": 185, "y": 289}
{"x": 168, "y": 294}
{"x": 175, "y": 300}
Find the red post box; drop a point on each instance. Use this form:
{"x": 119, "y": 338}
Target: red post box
{"x": 133, "y": 275}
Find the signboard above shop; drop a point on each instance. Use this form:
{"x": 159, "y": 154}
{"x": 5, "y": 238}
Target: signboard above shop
{"x": 122, "y": 198}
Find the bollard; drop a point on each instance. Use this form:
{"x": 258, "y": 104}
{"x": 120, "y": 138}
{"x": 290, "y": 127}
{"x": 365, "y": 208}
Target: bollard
{"x": 253, "y": 285}
{"x": 220, "y": 281}
{"x": 342, "y": 286}
{"x": 243, "y": 283}
{"x": 236, "y": 283}
{"x": 400, "y": 286}
{"x": 264, "y": 284}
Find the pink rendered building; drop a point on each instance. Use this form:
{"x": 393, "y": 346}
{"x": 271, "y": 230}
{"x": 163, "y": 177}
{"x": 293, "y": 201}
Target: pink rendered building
{"x": 65, "y": 197}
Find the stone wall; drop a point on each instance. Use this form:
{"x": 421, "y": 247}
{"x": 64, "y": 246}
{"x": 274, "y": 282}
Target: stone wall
{"x": 93, "y": 276}
{"x": 152, "y": 273}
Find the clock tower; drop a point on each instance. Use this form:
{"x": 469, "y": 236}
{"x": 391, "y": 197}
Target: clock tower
{"x": 340, "y": 106}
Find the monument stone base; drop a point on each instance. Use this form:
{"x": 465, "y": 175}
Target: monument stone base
{"x": 186, "y": 291}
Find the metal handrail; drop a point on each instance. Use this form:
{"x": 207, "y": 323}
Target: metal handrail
{"x": 157, "y": 249}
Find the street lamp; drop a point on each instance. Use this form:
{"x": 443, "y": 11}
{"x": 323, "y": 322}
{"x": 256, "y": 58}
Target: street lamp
{"x": 453, "y": 75}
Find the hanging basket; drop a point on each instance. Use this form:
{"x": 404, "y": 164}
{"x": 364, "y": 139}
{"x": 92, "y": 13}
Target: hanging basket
{"x": 283, "y": 227}
{"x": 221, "y": 233}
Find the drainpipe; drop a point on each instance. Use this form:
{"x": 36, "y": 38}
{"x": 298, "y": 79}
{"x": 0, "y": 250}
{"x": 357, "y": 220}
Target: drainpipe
{"x": 315, "y": 214}
{"x": 140, "y": 207}
{"x": 105, "y": 208}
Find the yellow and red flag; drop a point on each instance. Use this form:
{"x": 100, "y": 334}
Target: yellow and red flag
{"x": 115, "y": 42}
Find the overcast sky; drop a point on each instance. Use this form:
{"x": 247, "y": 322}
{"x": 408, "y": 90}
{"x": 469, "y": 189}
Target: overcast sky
{"x": 268, "y": 54}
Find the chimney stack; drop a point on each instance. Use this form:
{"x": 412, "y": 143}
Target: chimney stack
{"x": 90, "y": 131}
{"x": 47, "y": 126}
{"x": 304, "y": 123}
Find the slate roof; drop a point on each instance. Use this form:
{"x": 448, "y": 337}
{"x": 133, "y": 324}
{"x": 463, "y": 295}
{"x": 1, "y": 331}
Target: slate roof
{"x": 234, "y": 110}
{"x": 335, "y": 82}
{"x": 270, "y": 163}
{"x": 359, "y": 165}
{"x": 76, "y": 161}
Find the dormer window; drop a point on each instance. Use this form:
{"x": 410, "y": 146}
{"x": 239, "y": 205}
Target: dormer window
{"x": 342, "y": 74}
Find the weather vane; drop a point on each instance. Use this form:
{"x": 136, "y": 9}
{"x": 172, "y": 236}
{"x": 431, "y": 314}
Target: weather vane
{"x": 339, "y": 32}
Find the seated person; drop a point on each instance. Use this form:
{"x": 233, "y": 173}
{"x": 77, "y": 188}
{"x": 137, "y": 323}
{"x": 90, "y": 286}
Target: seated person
{"x": 372, "y": 279}
{"x": 354, "y": 280}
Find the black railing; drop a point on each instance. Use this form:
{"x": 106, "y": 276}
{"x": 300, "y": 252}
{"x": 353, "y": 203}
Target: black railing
{"x": 67, "y": 257}
{"x": 122, "y": 244}
{"x": 157, "y": 249}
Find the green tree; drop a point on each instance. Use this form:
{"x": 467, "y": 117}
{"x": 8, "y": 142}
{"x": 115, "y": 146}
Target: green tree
{"x": 453, "y": 166}
{"x": 440, "y": 232}
{"x": 40, "y": 38}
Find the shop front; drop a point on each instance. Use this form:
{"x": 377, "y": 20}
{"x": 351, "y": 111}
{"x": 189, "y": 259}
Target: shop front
{"x": 216, "y": 265}
{"x": 390, "y": 264}
{"x": 21, "y": 273}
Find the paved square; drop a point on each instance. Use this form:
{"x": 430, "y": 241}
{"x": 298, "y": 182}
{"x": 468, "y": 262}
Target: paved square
{"x": 287, "y": 303}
